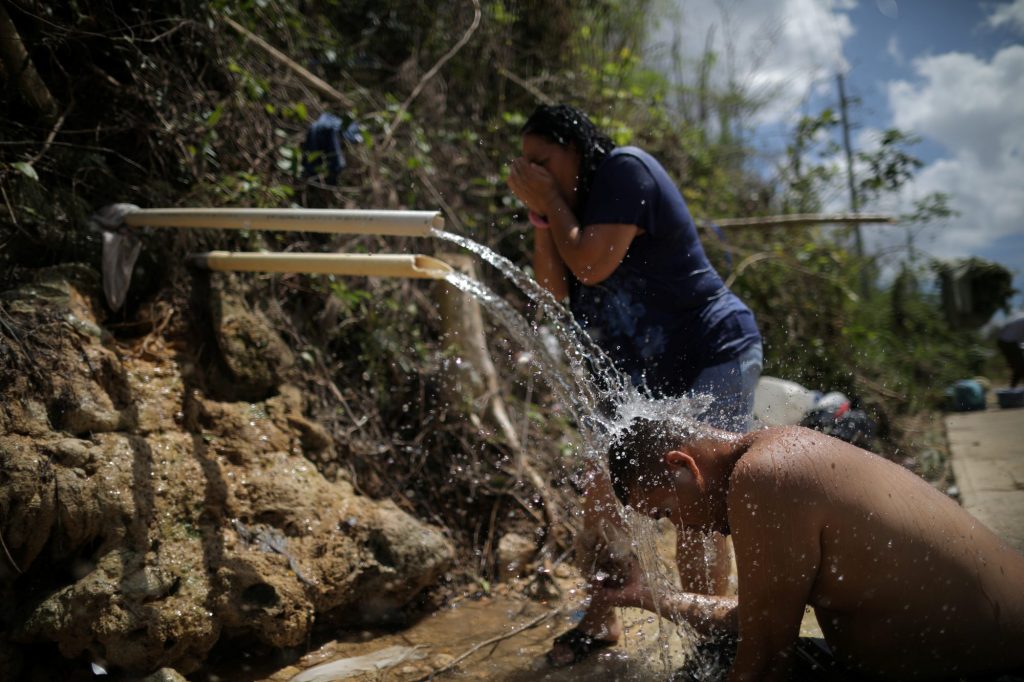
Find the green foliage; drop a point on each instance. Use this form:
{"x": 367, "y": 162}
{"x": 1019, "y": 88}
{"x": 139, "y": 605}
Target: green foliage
{"x": 175, "y": 108}
{"x": 890, "y": 165}
{"x": 799, "y": 285}
{"x": 905, "y": 344}
{"x": 973, "y": 290}
{"x": 26, "y": 169}
{"x": 934, "y": 206}
{"x": 805, "y": 173}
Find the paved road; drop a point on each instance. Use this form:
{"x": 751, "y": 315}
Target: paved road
{"x": 988, "y": 462}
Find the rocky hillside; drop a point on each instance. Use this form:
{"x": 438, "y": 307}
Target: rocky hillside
{"x": 146, "y": 512}
{"x": 243, "y": 459}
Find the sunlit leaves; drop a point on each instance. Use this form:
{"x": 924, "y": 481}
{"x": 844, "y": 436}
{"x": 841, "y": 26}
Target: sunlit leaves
{"x": 26, "y": 169}
{"x": 500, "y": 14}
{"x": 254, "y": 87}
{"x": 214, "y": 117}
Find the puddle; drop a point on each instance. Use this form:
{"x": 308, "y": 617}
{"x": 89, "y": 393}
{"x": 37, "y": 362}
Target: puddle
{"x": 506, "y": 635}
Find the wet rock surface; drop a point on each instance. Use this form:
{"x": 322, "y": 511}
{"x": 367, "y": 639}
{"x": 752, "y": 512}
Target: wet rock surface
{"x": 505, "y": 635}
{"x": 502, "y": 636}
{"x": 143, "y": 520}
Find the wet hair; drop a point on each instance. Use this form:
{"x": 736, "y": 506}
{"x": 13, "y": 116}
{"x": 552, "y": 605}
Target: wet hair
{"x": 636, "y": 452}
{"x": 563, "y": 125}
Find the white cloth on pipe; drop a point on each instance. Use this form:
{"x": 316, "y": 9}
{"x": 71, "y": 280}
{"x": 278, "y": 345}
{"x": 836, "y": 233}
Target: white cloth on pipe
{"x": 121, "y": 247}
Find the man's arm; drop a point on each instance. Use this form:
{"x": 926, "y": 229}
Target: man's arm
{"x": 709, "y": 615}
{"x": 778, "y": 553}
{"x": 703, "y": 560}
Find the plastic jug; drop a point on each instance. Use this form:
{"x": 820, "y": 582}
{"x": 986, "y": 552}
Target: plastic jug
{"x": 778, "y": 402}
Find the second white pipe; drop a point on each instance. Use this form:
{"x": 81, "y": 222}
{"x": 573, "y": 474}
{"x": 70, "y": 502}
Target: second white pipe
{"x": 366, "y": 265}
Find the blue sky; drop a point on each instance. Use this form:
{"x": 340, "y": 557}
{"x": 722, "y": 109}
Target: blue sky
{"x": 949, "y": 71}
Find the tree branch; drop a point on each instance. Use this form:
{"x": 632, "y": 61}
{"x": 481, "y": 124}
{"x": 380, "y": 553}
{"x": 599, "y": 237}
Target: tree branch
{"x": 433, "y": 72}
{"x": 303, "y": 73}
{"x": 20, "y": 66}
{"x": 493, "y": 640}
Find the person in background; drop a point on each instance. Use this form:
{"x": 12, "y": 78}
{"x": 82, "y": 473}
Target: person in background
{"x": 1011, "y": 343}
{"x": 904, "y": 583}
{"x": 613, "y": 235}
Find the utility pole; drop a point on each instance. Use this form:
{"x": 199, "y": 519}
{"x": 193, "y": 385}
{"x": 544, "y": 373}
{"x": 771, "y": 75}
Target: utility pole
{"x": 854, "y": 204}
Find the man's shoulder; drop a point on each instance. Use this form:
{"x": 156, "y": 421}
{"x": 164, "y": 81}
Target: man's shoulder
{"x": 780, "y": 452}
{"x": 781, "y": 473}
{"x": 774, "y": 438}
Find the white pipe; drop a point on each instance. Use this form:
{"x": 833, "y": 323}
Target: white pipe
{"x": 360, "y": 265}
{"x": 395, "y": 223}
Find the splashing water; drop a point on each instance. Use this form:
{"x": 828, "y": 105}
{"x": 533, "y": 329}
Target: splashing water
{"x": 601, "y": 399}
{"x": 586, "y": 358}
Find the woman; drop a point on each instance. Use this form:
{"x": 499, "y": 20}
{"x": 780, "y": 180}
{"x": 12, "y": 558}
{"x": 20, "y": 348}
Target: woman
{"x": 614, "y": 236}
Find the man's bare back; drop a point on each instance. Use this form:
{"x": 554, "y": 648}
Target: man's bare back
{"x": 905, "y": 584}
{"x": 903, "y": 581}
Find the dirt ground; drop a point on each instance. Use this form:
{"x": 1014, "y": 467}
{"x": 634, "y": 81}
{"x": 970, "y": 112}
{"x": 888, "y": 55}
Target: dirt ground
{"x": 505, "y": 636}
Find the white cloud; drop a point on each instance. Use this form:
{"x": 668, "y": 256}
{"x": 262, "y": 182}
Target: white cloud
{"x": 893, "y": 49}
{"x": 889, "y": 8}
{"x": 1010, "y": 15}
{"x": 975, "y": 109}
{"x": 968, "y": 105}
{"x": 972, "y": 107}
{"x": 867, "y": 138}
{"x": 780, "y": 50}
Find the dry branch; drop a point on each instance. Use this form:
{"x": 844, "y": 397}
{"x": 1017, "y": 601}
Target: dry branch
{"x": 431, "y": 73}
{"x": 305, "y": 74}
{"x": 525, "y": 85}
{"x": 801, "y": 220}
{"x": 20, "y": 66}
{"x": 487, "y": 642}
{"x": 48, "y": 142}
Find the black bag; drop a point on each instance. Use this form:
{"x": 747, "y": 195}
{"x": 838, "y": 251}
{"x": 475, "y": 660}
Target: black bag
{"x": 853, "y": 426}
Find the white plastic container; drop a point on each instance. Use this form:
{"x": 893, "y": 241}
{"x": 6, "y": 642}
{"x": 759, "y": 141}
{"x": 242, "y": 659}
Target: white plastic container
{"x": 778, "y": 402}
{"x": 833, "y": 401}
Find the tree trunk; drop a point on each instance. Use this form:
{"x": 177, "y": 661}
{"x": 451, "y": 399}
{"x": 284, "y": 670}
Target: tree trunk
{"x": 21, "y": 69}
{"x": 463, "y": 325}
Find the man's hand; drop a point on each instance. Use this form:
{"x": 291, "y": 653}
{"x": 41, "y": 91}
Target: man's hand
{"x": 534, "y": 186}
{"x": 628, "y": 586}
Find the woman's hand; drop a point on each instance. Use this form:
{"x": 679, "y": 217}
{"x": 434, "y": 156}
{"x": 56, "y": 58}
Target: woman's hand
{"x": 534, "y": 186}
{"x": 590, "y": 254}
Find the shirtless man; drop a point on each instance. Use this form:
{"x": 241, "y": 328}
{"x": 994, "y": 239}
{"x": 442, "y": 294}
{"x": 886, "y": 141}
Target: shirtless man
{"x": 905, "y": 584}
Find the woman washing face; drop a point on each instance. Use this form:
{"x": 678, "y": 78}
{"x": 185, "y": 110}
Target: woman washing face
{"x": 613, "y": 235}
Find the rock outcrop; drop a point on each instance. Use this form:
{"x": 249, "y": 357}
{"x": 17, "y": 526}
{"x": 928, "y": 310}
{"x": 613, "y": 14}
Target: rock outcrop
{"x": 142, "y": 520}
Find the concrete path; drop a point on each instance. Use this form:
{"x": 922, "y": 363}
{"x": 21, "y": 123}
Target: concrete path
{"x": 988, "y": 463}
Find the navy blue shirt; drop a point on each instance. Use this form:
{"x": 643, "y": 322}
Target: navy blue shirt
{"x": 664, "y": 314}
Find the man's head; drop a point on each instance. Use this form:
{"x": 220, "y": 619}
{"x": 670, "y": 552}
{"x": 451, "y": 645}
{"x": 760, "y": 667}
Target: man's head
{"x": 653, "y": 469}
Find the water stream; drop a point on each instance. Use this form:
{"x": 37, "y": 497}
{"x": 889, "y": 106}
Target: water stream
{"x": 601, "y": 400}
